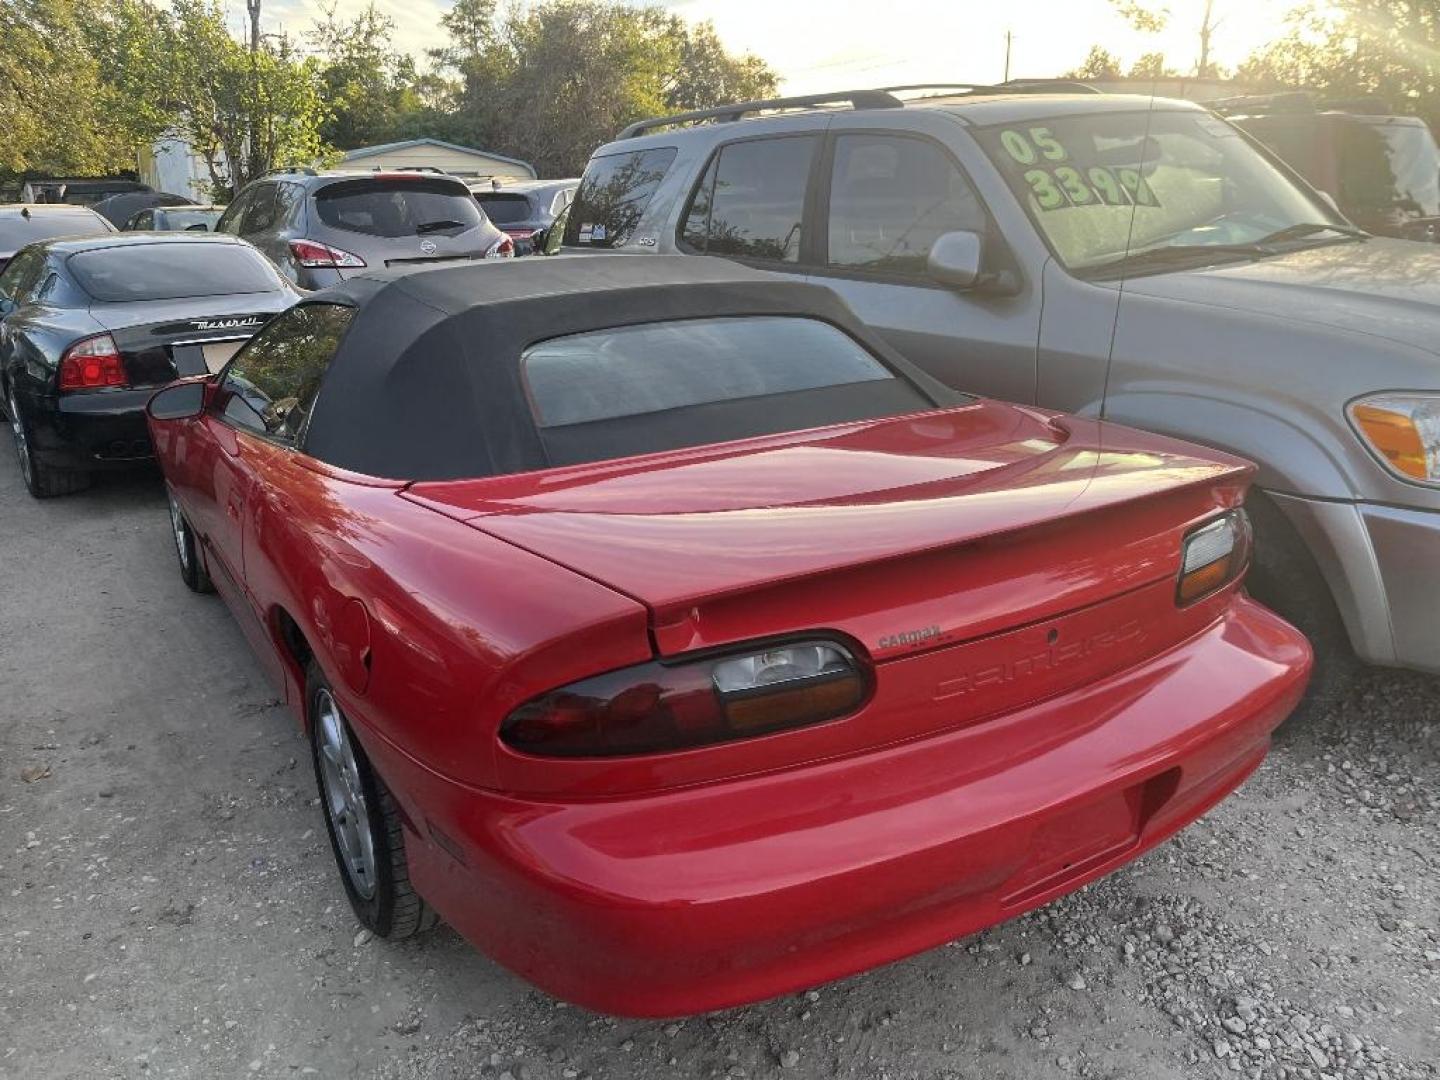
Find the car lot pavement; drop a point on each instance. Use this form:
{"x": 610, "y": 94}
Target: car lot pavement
{"x": 169, "y": 907}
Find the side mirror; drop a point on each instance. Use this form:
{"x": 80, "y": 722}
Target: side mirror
{"x": 183, "y": 400}
{"x": 956, "y": 259}
{"x": 199, "y": 226}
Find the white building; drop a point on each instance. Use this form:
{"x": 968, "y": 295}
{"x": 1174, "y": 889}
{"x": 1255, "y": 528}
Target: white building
{"x": 173, "y": 167}
{"x": 435, "y": 154}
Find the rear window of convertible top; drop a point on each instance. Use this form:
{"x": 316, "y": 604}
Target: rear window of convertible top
{"x": 661, "y": 386}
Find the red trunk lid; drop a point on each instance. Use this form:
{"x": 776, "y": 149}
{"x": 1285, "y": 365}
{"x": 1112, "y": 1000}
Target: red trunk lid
{"x": 906, "y": 534}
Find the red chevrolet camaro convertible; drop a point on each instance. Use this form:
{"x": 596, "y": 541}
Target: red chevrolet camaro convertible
{"x": 665, "y": 632}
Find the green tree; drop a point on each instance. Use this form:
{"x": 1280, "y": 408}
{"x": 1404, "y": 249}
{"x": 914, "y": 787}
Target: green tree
{"x": 1152, "y": 66}
{"x": 1384, "y": 48}
{"x": 1100, "y": 63}
{"x": 370, "y": 87}
{"x": 244, "y": 113}
{"x": 551, "y": 81}
{"x": 708, "y": 75}
{"x": 57, "y": 114}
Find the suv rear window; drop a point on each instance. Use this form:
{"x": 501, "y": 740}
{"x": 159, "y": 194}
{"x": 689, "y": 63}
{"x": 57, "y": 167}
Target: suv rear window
{"x": 613, "y": 196}
{"x": 171, "y": 271}
{"x": 505, "y": 209}
{"x": 659, "y": 386}
{"x": 393, "y": 207}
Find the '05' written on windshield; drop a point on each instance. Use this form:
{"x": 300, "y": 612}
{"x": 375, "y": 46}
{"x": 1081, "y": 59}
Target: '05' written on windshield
{"x": 1058, "y": 181}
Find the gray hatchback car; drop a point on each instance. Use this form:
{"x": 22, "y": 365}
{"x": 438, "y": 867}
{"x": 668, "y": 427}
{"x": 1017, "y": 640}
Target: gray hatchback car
{"x": 1136, "y": 259}
{"x": 320, "y": 228}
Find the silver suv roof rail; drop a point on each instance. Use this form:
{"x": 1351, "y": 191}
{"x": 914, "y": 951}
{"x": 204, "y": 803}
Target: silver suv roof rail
{"x": 879, "y": 98}
{"x": 856, "y": 99}
{"x": 1014, "y": 86}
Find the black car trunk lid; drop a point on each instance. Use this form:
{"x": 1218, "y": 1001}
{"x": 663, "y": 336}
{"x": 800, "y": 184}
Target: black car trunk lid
{"x": 160, "y": 341}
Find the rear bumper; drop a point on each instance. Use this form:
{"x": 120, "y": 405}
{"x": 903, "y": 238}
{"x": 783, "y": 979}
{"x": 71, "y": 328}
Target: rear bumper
{"x": 708, "y": 897}
{"x": 89, "y": 431}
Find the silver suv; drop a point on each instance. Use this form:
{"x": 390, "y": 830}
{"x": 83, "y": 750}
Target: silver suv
{"x": 1141, "y": 260}
{"x": 320, "y": 228}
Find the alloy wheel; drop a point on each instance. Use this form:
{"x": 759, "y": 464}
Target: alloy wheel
{"x": 178, "y": 528}
{"x": 344, "y": 795}
{"x": 22, "y": 444}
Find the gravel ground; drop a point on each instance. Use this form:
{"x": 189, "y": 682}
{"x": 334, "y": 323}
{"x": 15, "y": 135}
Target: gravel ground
{"x": 168, "y": 905}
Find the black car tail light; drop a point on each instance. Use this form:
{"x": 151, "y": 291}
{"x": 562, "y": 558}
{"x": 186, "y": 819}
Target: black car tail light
{"x": 92, "y": 363}
{"x": 676, "y": 705}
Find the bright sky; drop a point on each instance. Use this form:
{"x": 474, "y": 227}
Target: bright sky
{"x": 817, "y": 45}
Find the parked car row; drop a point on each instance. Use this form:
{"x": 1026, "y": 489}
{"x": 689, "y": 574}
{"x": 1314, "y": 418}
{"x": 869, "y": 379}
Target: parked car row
{"x": 130, "y": 316}
{"x": 682, "y": 629}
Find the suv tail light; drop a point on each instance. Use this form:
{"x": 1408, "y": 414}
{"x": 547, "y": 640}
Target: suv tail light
{"x": 1213, "y": 556}
{"x": 92, "y": 363}
{"x": 504, "y": 248}
{"x": 677, "y": 705}
{"x": 311, "y": 253}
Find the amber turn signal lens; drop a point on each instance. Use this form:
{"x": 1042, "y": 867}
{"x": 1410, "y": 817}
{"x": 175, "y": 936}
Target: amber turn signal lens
{"x": 827, "y": 696}
{"x": 1395, "y": 436}
{"x": 1213, "y": 556}
{"x": 1204, "y": 581}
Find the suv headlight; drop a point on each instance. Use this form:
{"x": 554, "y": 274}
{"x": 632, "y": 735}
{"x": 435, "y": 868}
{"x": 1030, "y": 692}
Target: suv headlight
{"x": 1403, "y": 431}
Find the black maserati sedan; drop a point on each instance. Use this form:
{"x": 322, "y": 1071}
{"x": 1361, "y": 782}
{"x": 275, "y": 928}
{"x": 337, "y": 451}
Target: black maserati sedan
{"x": 91, "y": 326}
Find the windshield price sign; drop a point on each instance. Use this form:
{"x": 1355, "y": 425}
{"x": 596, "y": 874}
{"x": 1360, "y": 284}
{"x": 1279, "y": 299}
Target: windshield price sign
{"x": 1057, "y": 182}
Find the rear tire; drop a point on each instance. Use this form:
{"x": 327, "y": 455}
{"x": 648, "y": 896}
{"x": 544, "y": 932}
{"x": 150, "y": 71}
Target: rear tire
{"x": 1285, "y": 578}
{"x": 192, "y": 569}
{"x": 367, "y": 836}
{"x": 41, "y": 480}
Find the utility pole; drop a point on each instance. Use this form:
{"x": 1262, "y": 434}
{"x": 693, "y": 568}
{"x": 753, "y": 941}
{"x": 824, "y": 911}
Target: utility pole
{"x": 1009, "y": 38}
{"x": 252, "y": 151}
{"x": 253, "y": 7}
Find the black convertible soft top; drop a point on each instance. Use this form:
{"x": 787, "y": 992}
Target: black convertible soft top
{"x": 426, "y": 383}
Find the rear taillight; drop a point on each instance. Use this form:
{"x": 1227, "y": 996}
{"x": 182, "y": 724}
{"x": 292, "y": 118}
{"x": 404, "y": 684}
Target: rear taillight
{"x": 1213, "y": 556}
{"x": 504, "y": 248}
{"x": 520, "y": 234}
{"x": 92, "y": 363}
{"x": 311, "y": 254}
{"x": 657, "y": 707}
